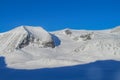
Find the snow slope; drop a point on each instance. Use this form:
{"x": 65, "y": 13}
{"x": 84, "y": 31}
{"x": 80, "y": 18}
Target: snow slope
{"x": 23, "y": 36}
{"x": 28, "y": 47}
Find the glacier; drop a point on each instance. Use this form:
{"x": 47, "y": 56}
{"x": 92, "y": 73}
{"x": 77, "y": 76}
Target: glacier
{"x": 32, "y": 47}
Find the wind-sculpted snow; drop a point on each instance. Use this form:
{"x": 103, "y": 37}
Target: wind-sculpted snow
{"x": 32, "y": 47}
{"x": 23, "y": 36}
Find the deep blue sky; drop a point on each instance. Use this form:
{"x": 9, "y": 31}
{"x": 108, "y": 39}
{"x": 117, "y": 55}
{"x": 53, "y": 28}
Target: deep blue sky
{"x": 60, "y": 14}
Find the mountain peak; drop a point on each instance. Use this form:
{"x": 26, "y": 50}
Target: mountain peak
{"x": 20, "y": 28}
{"x": 27, "y": 45}
{"x": 23, "y": 36}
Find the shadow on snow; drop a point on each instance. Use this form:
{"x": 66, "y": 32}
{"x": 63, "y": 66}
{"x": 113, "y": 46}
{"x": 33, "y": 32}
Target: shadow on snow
{"x": 56, "y": 40}
{"x": 100, "y": 70}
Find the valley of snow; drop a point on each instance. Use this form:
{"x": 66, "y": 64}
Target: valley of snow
{"x": 28, "y": 47}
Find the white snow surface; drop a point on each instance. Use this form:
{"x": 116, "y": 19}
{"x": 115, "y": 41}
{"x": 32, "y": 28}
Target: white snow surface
{"x": 74, "y": 47}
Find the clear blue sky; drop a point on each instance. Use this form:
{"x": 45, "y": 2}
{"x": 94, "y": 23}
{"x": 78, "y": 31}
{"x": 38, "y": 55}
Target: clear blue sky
{"x": 59, "y": 14}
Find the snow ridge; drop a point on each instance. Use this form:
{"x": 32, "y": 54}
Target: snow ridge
{"x": 23, "y": 36}
{"x": 28, "y": 47}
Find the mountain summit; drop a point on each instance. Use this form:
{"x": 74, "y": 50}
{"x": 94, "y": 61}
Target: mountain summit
{"x": 28, "y": 47}
{"x": 23, "y": 36}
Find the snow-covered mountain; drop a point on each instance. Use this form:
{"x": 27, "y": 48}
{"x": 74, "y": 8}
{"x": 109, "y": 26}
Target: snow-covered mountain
{"x": 28, "y": 47}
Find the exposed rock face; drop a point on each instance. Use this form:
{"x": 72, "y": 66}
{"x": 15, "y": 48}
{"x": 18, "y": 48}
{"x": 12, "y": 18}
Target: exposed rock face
{"x": 30, "y": 39}
{"x": 68, "y": 32}
{"x": 86, "y": 37}
{"x": 48, "y": 44}
{"x": 22, "y": 36}
{"x": 27, "y": 47}
{"x": 26, "y": 41}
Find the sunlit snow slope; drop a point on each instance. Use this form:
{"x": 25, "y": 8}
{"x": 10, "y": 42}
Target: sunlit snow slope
{"x": 28, "y": 47}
